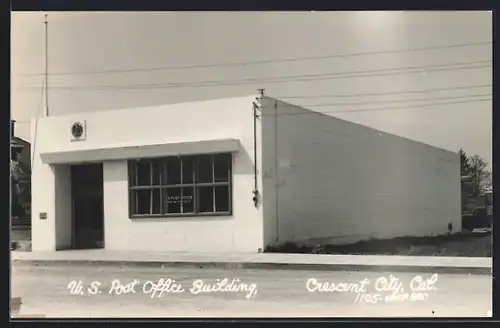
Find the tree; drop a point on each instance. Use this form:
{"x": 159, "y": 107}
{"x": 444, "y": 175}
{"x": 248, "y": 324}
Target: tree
{"x": 20, "y": 175}
{"x": 487, "y": 183}
{"x": 464, "y": 163}
{"x": 481, "y": 177}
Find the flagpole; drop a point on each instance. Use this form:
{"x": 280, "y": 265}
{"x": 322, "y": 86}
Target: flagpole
{"x": 46, "y": 82}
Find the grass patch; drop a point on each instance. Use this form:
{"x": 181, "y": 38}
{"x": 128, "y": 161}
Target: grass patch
{"x": 460, "y": 244}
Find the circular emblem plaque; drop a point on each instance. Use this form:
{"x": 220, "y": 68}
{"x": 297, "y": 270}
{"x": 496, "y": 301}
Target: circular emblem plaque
{"x": 77, "y": 130}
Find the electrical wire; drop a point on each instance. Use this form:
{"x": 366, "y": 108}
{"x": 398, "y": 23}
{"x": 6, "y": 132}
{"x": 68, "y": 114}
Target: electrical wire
{"x": 114, "y": 71}
{"x": 350, "y": 104}
{"x": 395, "y": 101}
{"x": 371, "y": 109}
{"x": 377, "y": 102}
{"x": 295, "y": 78}
{"x": 364, "y": 103}
{"x": 385, "y": 93}
{"x": 377, "y": 94}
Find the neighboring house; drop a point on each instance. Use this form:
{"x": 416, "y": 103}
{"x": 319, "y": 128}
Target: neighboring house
{"x": 20, "y": 168}
{"x": 209, "y": 176}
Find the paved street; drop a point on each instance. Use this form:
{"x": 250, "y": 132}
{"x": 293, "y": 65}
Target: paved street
{"x": 127, "y": 291}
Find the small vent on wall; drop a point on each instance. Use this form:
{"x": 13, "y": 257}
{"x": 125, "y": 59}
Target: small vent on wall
{"x": 78, "y": 131}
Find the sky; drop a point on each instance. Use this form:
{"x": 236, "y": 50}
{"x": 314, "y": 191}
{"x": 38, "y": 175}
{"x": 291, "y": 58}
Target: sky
{"x": 358, "y": 66}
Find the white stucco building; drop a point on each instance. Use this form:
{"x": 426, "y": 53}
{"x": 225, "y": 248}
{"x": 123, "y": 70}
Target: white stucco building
{"x": 184, "y": 177}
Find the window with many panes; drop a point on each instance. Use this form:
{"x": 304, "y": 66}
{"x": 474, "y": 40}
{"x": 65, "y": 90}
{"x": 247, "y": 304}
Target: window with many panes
{"x": 180, "y": 185}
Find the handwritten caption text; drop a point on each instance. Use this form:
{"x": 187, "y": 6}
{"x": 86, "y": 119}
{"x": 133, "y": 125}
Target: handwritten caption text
{"x": 386, "y": 289}
{"x": 158, "y": 289}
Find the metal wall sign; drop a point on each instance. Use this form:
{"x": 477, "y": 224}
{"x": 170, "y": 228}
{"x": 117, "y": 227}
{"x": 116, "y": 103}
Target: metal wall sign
{"x": 179, "y": 199}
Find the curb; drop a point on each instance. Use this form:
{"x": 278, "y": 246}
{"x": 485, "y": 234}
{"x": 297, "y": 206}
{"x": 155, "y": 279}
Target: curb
{"x": 271, "y": 266}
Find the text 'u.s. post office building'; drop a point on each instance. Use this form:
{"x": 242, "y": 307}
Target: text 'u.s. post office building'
{"x": 231, "y": 175}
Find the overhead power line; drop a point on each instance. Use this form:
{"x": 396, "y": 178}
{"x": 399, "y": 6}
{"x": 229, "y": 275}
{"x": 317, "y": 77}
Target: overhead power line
{"x": 257, "y": 62}
{"x": 376, "y": 109}
{"x": 293, "y": 78}
{"x": 373, "y": 109}
{"x": 369, "y": 94}
{"x": 386, "y": 93}
{"x": 396, "y": 101}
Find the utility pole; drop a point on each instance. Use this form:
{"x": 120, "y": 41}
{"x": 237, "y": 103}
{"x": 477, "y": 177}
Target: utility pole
{"x": 256, "y": 115}
{"x": 46, "y": 82}
{"x": 255, "y": 171}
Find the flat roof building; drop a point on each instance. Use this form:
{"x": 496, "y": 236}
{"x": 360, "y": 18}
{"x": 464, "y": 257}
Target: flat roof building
{"x": 232, "y": 175}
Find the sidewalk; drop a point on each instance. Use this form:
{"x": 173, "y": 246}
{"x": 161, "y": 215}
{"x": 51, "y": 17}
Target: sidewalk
{"x": 264, "y": 261}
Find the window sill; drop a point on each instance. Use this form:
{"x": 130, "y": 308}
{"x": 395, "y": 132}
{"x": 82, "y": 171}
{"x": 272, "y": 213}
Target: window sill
{"x": 179, "y": 215}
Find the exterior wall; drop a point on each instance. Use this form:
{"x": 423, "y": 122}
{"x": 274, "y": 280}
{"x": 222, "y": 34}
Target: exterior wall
{"x": 342, "y": 182}
{"x": 43, "y": 195}
{"x": 187, "y": 122}
{"x": 269, "y": 176}
{"x": 238, "y": 233}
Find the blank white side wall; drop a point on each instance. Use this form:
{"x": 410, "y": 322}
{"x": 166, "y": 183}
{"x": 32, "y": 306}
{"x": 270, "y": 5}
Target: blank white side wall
{"x": 331, "y": 180}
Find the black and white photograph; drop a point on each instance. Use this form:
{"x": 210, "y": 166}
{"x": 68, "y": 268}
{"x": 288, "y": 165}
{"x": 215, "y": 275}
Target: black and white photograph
{"x": 251, "y": 164}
